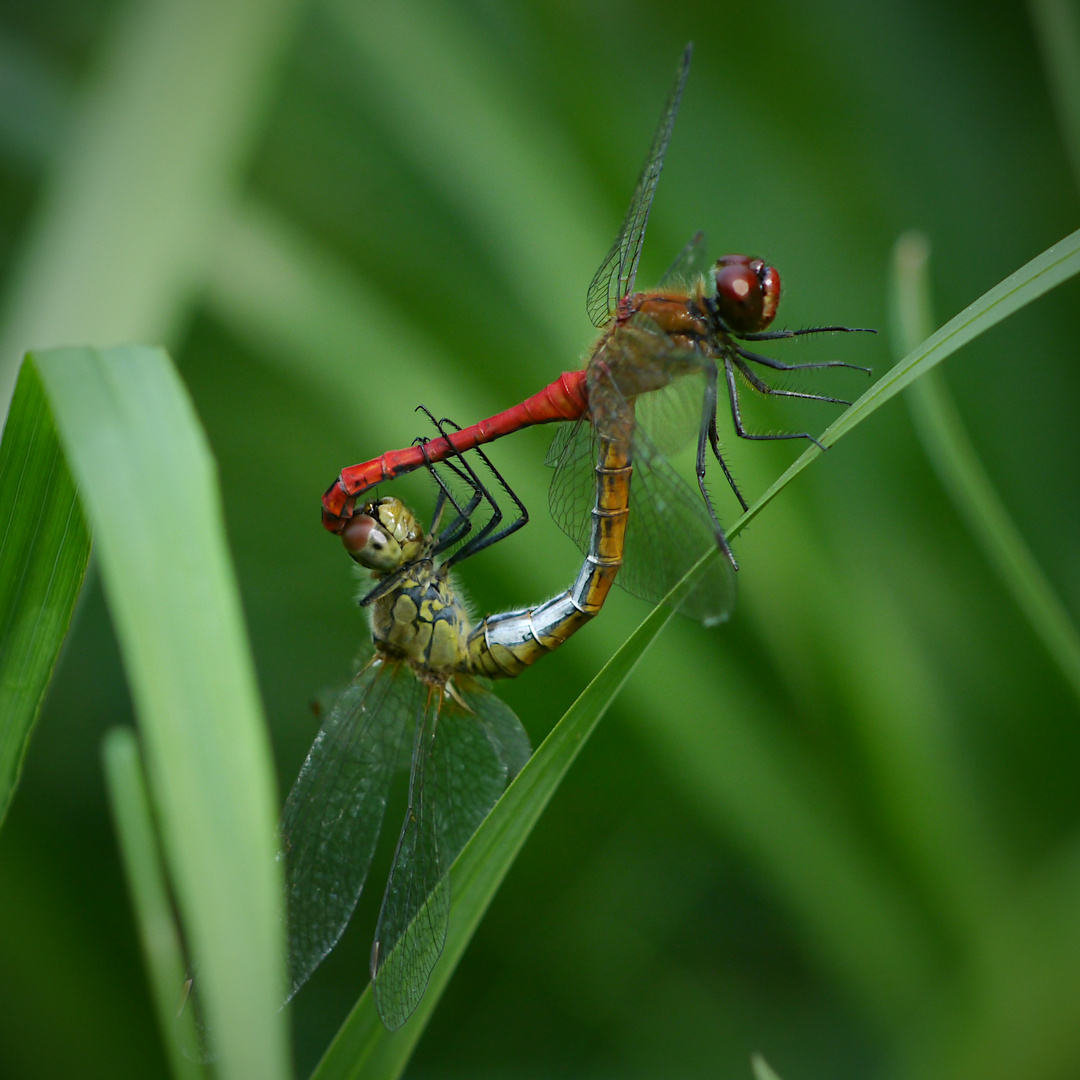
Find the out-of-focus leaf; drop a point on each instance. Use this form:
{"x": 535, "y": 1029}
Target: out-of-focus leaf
{"x": 158, "y": 932}
{"x": 1057, "y": 30}
{"x": 957, "y": 464}
{"x": 149, "y": 485}
{"x": 761, "y": 1068}
{"x": 1043, "y": 273}
{"x": 44, "y": 546}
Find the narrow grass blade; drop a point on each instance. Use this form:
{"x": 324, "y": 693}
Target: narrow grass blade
{"x": 158, "y": 932}
{"x": 961, "y": 473}
{"x": 44, "y": 546}
{"x": 1043, "y": 273}
{"x": 761, "y": 1068}
{"x": 149, "y": 486}
{"x": 1057, "y": 31}
{"x": 156, "y": 144}
{"x": 363, "y": 1047}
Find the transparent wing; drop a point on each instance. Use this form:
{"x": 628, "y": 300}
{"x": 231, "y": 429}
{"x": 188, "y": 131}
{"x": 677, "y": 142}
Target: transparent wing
{"x": 509, "y": 740}
{"x": 689, "y": 264}
{"x": 462, "y": 760}
{"x": 671, "y": 416}
{"x": 572, "y": 495}
{"x": 333, "y": 814}
{"x": 615, "y": 277}
{"x": 667, "y": 531}
{"x": 668, "y": 528}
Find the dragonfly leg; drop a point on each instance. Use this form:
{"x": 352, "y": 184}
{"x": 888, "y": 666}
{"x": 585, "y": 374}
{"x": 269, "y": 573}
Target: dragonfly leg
{"x": 490, "y": 533}
{"x": 763, "y": 387}
{"x": 733, "y": 394}
{"x": 462, "y": 524}
{"x": 706, "y": 431}
{"x": 708, "y": 425}
{"x": 777, "y": 335}
{"x": 389, "y": 583}
{"x": 779, "y": 365}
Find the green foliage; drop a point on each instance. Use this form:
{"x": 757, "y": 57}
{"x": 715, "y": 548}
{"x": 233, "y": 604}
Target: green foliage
{"x": 840, "y": 830}
{"x": 149, "y": 486}
{"x": 957, "y": 465}
{"x": 161, "y": 942}
{"x": 44, "y": 546}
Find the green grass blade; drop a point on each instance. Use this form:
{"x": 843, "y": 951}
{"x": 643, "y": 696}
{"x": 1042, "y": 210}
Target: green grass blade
{"x": 1043, "y": 273}
{"x": 149, "y": 485}
{"x": 363, "y": 1047}
{"x": 1057, "y": 31}
{"x": 761, "y": 1068}
{"x": 44, "y": 546}
{"x": 961, "y": 473}
{"x": 129, "y": 801}
{"x": 149, "y": 161}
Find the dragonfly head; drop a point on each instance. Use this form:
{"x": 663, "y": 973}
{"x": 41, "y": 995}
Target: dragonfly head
{"x": 747, "y": 293}
{"x": 383, "y": 536}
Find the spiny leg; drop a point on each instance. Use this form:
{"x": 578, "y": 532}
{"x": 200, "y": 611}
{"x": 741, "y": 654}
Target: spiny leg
{"x": 707, "y": 431}
{"x": 779, "y": 365}
{"x": 486, "y": 536}
{"x": 462, "y": 524}
{"x": 714, "y": 441}
{"x": 763, "y": 387}
{"x": 778, "y": 335}
{"x": 708, "y": 423}
{"x": 733, "y": 394}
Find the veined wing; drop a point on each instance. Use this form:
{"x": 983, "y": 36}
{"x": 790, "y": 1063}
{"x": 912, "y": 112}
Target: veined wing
{"x": 667, "y": 531}
{"x": 333, "y": 814}
{"x": 689, "y": 264}
{"x": 462, "y": 761}
{"x": 615, "y": 277}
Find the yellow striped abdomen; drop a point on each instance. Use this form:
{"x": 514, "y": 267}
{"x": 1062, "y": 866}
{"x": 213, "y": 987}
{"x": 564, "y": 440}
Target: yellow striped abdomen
{"x": 503, "y": 645}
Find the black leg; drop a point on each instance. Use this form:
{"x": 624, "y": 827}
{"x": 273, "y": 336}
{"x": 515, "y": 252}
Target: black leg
{"x": 714, "y": 440}
{"x": 764, "y": 388}
{"x": 708, "y": 426}
{"x": 779, "y": 365}
{"x": 490, "y": 533}
{"x": 462, "y": 524}
{"x": 777, "y": 335}
{"x": 733, "y": 393}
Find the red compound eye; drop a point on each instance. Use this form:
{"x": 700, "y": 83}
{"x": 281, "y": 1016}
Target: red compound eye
{"x": 747, "y": 293}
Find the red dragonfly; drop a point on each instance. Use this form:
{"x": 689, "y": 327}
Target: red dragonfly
{"x": 649, "y": 382}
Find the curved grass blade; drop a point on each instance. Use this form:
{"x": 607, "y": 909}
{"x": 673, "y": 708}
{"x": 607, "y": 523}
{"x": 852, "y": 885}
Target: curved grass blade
{"x": 149, "y": 485}
{"x": 961, "y": 473}
{"x": 44, "y": 547}
{"x": 163, "y": 951}
{"x": 1043, "y": 273}
{"x": 363, "y": 1047}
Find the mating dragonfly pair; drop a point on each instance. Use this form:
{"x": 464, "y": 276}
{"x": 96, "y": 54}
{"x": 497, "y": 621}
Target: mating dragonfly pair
{"x": 650, "y": 381}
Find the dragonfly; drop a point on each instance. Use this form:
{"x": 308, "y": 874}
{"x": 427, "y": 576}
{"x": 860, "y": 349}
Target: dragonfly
{"x": 428, "y": 674}
{"x": 652, "y": 379}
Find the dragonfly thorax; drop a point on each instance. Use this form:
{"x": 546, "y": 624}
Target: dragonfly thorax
{"x": 422, "y": 621}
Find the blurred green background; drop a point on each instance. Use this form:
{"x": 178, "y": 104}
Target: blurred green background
{"x": 842, "y": 829}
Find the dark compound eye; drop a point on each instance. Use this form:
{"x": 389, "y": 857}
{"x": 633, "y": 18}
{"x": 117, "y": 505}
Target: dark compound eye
{"x": 747, "y": 293}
